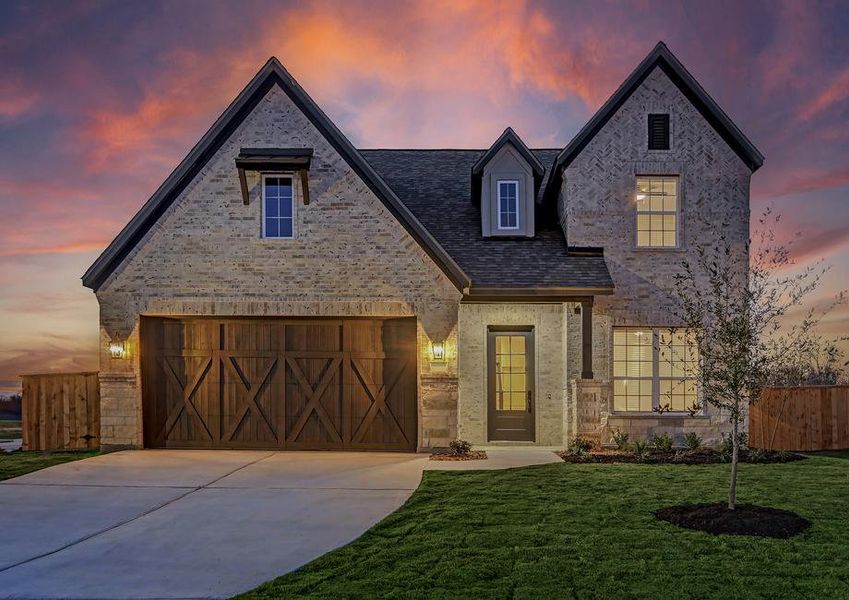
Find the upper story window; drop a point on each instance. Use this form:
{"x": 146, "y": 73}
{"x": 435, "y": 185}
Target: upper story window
{"x": 657, "y": 211}
{"x": 654, "y": 369}
{"x": 659, "y": 132}
{"x": 508, "y": 204}
{"x": 278, "y": 207}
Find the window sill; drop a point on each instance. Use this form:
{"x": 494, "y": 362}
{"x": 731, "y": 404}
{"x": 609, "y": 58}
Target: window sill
{"x": 658, "y": 249}
{"x": 654, "y": 415}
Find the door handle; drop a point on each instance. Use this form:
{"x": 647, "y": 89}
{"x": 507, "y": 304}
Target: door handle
{"x": 530, "y": 401}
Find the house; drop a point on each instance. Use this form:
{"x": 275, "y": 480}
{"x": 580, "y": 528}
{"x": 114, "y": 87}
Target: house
{"x": 283, "y": 289}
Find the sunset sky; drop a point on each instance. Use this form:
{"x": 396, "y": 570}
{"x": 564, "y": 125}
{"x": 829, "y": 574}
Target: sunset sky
{"x": 99, "y": 101}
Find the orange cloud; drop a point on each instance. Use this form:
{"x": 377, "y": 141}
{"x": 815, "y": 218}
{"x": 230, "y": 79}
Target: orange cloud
{"x": 456, "y": 60}
{"x": 835, "y": 93}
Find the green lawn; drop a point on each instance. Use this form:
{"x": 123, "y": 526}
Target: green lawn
{"x": 587, "y": 531}
{"x": 13, "y": 464}
{"x": 7, "y": 423}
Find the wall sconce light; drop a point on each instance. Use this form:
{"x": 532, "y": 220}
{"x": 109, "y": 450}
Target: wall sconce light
{"x": 437, "y": 351}
{"x": 118, "y": 349}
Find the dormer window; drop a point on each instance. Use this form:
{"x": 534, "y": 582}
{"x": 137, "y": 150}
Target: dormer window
{"x": 508, "y": 204}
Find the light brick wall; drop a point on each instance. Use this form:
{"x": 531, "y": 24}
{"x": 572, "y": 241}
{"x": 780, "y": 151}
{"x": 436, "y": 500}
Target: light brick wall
{"x": 549, "y": 322}
{"x": 205, "y": 256}
{"x": 596, "y": 208}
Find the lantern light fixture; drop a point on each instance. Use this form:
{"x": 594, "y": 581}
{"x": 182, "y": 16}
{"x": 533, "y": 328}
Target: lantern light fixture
{"x": 437, "y": 351}
{"x": 118, "y": 349}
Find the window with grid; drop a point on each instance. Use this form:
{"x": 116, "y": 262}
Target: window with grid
{"x": 278, "y": 207}
{"x": 677, "y": 363}
{"x": 657, "y": 211}
{"x": 511, "y": 372}
{"x": 508, "y": 205}
{"x": 653, "y": 368}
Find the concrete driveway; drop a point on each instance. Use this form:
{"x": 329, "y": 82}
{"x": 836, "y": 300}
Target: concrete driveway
{"x": 188, "y": 524}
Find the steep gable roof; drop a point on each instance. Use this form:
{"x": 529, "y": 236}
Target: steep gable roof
{"x": 272, "y": 73}
{"x": 507, "y": 137}
{"x": 661, "y": 57}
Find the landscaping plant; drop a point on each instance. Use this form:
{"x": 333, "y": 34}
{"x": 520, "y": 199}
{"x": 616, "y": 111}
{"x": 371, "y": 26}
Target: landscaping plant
{"x": 641, "y": 450}
{"x": 733, "y": 302}
{"x": 692, "y": 440}
{"x": 460, "y": 447}
{"x": 620, "y": 439}
{"x": 662, "y": 442}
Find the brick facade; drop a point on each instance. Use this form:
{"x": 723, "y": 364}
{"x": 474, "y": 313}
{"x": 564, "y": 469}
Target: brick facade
{"x": 351, "y": 257}
{"x": 205, "y": 256}
{"x": 596, "y": 208}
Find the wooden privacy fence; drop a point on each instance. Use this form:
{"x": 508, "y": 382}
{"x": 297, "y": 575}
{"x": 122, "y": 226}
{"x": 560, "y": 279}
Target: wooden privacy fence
{"x": 801, "y": 418}
{"x": 61, "y": 411}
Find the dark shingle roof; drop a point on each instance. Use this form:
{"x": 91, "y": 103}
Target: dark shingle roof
{"x": 436, "y": 186}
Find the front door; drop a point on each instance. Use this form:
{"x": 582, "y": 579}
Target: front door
{"x": 510, "y": 371}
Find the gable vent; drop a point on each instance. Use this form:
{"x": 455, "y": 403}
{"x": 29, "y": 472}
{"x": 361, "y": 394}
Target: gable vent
{"x": 659, "y": 132}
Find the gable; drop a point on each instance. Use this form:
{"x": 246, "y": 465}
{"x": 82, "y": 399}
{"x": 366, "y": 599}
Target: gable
{"x": 659, "y": 58}
{"x": 271, "y": 75}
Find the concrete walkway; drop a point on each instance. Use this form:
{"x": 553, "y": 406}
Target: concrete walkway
{"x": 198, "y": 524}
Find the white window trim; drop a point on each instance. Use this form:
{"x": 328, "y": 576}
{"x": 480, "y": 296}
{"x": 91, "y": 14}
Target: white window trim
{"x": 291, "y": 177}
{"x": 655, "y": 379}
{"x": 678, "y": 213}
{"x": 498, "y": 205}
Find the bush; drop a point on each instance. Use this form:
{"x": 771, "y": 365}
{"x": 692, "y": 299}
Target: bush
{"x": 756, "y": 455}
{"x": 460, "y": 447}
{"x": 582, "y": 444}
{"x": 726, "y": 446}
{"x": 641, "y": 450}
{"x": 662, "y": 442}
{"x": 620, "y": 438}
{"x": 692, "y": 440}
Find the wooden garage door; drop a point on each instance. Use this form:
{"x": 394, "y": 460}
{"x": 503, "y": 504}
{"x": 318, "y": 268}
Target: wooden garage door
{"x": 284, "y": 383}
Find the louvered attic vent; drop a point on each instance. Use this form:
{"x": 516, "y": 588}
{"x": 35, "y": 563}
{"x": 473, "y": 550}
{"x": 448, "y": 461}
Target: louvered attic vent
{"x": 659, "y": 132}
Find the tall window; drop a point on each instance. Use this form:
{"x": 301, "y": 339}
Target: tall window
{"x": 278, "y": 207}
{"x": 654, "y": 369}
{"x": 508, "y": 204}
{"x": 657, "y": 211}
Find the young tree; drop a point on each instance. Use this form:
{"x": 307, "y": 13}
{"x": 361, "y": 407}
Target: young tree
{"x": 733, "y": 299}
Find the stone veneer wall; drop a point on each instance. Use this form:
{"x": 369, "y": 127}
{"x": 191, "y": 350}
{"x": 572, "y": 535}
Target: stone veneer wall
{"x": 205, "y": 256}
{"x": 549, "y": 324}
{"x": 596, "y": 208}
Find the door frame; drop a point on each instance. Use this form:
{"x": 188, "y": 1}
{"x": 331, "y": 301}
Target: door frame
{"x": 531, "y": 375}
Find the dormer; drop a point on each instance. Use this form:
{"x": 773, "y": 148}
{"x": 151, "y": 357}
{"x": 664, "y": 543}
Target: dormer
{"x": 505, "y": 182}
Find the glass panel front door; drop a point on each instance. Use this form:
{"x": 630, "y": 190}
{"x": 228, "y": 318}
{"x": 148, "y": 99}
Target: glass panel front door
{"x": 510, "y": 372}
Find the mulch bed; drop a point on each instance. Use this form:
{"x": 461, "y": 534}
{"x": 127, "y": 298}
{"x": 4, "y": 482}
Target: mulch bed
{"x": 702, "y": 456}
{"x": 473, "y": 455}
{"x": 746, "y": 519}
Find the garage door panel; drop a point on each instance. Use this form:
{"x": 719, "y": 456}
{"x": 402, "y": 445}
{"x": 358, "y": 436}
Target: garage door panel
{"x": 279, "y": 383}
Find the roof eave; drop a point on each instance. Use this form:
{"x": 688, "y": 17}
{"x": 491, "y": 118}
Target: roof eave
{"x": 270, "y": 74}
{"x": 659, "y": 56}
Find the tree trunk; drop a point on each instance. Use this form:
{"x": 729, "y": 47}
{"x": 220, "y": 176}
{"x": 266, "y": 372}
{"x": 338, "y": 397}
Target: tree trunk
{"x": 732, "y": 486}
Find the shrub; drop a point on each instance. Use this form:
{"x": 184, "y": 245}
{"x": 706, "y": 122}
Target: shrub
{"x": 662, "y": 442}
{"x": 756, "y": 455}
{"x": 692, "y": 440}
{"x": 641, "y": 450}
{"x": 726, "y": 446}
{"x": 460, "y": 447}
{"x": 620, "y": 438}
{"x": 580, "y": 445}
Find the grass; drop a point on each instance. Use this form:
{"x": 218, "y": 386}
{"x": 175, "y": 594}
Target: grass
{"x": 14, "y": 464}
{"x": 587, "y": 531}
{"x": 5, "y": 423}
